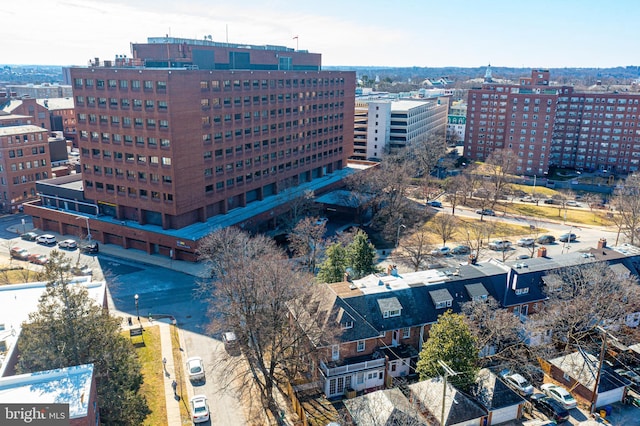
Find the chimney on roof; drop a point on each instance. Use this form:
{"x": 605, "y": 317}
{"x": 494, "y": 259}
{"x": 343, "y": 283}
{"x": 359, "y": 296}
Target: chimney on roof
{"x": 602, "y": 243}
{"x": 542, "y": 252}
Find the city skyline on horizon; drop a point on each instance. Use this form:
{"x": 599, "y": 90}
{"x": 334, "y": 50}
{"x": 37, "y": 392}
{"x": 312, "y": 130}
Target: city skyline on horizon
{"x": 462, "y": 33}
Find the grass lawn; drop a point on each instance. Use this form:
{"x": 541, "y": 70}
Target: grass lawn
{"x": 540, "y": 190}
{"x": 150, "y": 356}
{"x": 500, "y": 230}
{"x": 10, "y": 274}
{"x": 582, "y": 216}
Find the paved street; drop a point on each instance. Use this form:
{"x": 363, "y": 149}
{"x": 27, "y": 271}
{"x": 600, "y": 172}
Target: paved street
{"x": 163, "y": 290}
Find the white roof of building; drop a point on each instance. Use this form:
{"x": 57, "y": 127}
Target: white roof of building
{"x": 408, "y": 104}
{"x": 19, "y": 300}
{"x": 20, "y": 130}
{"x": 71, "y": 385}
{"x": 56, "y": 103}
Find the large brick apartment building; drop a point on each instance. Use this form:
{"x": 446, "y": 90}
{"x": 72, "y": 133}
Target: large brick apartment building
{"x": 188, "y": 130}
{"x": 549, "y": 125}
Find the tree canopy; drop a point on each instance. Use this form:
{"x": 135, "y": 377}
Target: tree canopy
{"x": 256, "y": 292}
{"x": 450, "y": 341}
{"x": 70, "y": 329}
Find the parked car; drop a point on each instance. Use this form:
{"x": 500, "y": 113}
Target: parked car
{"x": 560, "y": 394}
{"x": 572, "y": 204}
{"x": 549, "y": 407}
{"x": 90, "y": 247}
{"x": 38, "y": 259}
{"x": 195, "y": 369}
{"x": 229, "y": 338}
{"x": 528, "y": 199}
{"x": 525, "y": 242}
{"x": 441, "y": 251}
{"x": 81, "y": 270}
{"x": 500, "y": 245}
{"x": 551, "y": 201}
{"x": 29, "y": 236}
{"x": 461, "y": 250}
{"x": 486, "y": 212}
{"x": 199, "y": 409}
{"x": 230, "y": 341}
{"x": 19, "y": 253}
{"x": 68, "y": 244}
{"x": 435, "y": 203}
{"x": 518, "y": 383}
{"x": 46, "y": 239}
{"x": 546, "y": 239}
{"x": 567, "y": 238}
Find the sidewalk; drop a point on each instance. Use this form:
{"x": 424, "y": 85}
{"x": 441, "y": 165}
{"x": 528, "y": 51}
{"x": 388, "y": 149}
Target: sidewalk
{"x": 172, "y": 400}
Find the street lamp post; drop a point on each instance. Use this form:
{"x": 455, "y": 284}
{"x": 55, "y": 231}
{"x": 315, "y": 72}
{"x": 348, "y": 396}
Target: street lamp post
{"x": 137, "y": 310}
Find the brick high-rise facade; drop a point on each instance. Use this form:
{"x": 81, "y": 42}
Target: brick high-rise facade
{"x": 24, "y": 159}
{"x": 554, "y": 126}
{"x": 190, "y": 129}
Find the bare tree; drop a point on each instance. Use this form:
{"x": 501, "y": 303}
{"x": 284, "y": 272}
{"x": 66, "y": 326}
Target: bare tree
{"x": 627, "y": 204}
{"x": 445, "y": 226}
{"x": 416, "y": 248}
{"x": 255, "y": 292}
{"x": 477, "y": 235}
{"x": 300, "y": 206}
{"x": 307, "y": 240}
{"x": 455, "y": 187}
{"x": 427, "y": 151}
{"x": 498, "y": 167}
{"x": 581, "y": 298}
{"x": 498, "y": 333}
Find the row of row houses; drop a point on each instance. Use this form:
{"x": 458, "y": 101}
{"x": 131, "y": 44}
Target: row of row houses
{"x": 384, "y": 318}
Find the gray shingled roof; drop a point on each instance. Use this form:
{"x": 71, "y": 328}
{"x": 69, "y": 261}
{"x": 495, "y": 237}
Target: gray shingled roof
{"x": 493, "y": 393}
{"x": 439, "y": 296}
{"x": 458, "y": 407}
{"x": 384, "y": 408}
{"x": 476, "y": 290}
{"x": 389, "y": 304}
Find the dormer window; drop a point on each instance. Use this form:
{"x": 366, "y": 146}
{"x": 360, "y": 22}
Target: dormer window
{"x": 441, "y": 298}
{"x": 477, "y": 292}
{"x": 393, "y": 313}
{"x": 521, "y": 291}
{"x": 390, "y": 307}
{"x": 344, "y": 319}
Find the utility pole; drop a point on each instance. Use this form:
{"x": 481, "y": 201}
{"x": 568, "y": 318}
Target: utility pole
{"x": 594, "y": 395}
{"x": 447, "y": 372}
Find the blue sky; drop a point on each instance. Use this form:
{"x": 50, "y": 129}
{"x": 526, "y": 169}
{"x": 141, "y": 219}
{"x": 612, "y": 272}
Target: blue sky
{"x": 427, "y": 33}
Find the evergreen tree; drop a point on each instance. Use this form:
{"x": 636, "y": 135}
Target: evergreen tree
{"x": 361, "y": 255}
{"x": 450, "y": 341}
{"x": 70, "y": 329}
{"x": 333, "y": 268}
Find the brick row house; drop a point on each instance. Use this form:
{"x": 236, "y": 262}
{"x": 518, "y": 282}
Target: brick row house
{"x": 384, "y": 319}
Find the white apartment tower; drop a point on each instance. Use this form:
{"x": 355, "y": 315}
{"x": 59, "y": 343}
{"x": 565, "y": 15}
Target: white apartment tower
{"x": 384, "y": 125}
